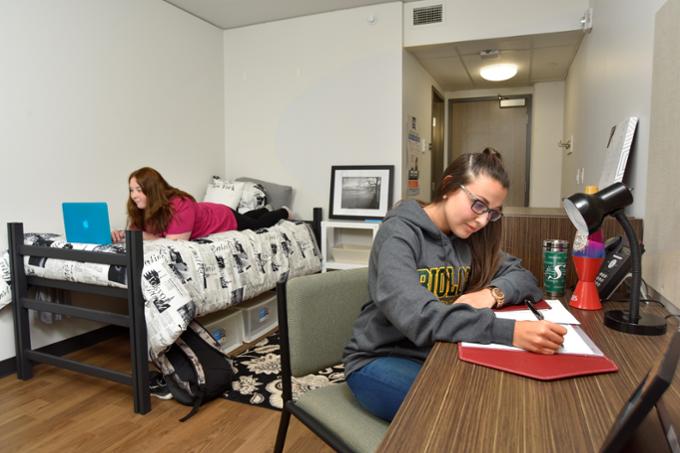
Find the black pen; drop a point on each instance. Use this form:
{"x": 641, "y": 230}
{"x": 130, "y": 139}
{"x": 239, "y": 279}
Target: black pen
{"x": 536, "y": 313}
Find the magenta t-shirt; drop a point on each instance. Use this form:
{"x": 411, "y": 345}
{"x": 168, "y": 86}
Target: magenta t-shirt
{"x": 199, "y": 218}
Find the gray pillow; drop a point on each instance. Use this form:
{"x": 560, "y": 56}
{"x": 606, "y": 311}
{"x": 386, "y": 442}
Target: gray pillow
{"x": 277, "y": 194}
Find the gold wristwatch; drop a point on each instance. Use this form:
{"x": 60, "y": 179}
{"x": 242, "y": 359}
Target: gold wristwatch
{"x": 498, "y": 296}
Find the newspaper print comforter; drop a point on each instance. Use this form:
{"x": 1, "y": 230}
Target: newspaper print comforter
{"x": 184, "y": 279}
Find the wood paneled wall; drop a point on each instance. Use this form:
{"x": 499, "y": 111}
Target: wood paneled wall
{"x": 525, "y": 229}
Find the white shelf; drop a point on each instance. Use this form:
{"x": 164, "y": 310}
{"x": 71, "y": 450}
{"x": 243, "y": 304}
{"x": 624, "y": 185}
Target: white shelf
{"x": 340, "y": 266}
{"x": 329, "y": 241}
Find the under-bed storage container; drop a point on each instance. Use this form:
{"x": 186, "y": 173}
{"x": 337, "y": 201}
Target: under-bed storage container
{"x": 259, "y": 315}
{"x": 226, "y": 326}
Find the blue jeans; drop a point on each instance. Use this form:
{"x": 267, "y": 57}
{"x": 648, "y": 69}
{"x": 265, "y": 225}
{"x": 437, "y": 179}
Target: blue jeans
{"x": 381, "y": 385}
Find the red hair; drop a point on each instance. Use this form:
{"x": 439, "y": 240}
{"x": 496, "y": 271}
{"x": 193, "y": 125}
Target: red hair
{"x": 156, "y": 216}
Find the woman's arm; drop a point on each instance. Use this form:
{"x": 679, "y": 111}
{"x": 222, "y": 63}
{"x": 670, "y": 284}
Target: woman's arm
{"x": 119, "y": 235}
{"x": 414, "y": 310}
{"x": 478, "y": 299}
{"x": 179, "y": 237}
{"x": 515, "y": 281}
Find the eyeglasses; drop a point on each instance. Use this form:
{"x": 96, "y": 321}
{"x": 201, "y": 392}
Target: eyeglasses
{"x": 479, "y": 207}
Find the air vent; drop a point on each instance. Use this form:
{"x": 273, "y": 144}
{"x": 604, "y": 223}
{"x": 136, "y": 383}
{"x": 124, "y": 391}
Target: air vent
{"x": 427, "y": 15}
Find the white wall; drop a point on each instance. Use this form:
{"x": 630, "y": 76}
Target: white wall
{"x": 465, "y": 20}
{"x": 661, "y": 260}
{"x": 418, "y": 85}
{"x": 91, "y": 90}
{"x": 609, "y": 80}
{"x": 546, "y": 157}
{"x": 307, "y": 93}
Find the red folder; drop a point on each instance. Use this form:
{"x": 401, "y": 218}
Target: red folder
{"x": 540, "y": 305}
{"x": 537, "y": 366}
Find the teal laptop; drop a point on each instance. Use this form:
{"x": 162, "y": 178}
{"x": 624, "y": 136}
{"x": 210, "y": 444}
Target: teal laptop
{"x": 87, "y": 223}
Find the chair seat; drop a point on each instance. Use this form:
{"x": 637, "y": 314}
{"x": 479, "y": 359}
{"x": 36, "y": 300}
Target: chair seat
{"x": 336, "y": 408}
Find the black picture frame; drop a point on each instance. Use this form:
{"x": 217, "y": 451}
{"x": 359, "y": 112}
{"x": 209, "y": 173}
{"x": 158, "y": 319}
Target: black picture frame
{"x": 361, "y": 192}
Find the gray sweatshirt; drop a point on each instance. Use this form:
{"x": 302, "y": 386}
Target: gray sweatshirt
{"x": 415, "y": 272}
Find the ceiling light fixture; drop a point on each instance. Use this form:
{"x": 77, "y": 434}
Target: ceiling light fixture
{"x": 498, "y": 72}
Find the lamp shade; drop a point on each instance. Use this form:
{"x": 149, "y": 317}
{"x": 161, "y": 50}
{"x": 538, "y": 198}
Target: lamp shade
{"x": 586, "y": 212}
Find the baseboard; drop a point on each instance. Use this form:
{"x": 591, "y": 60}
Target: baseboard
{"x": 8, "y": 366}
{"x": 668, "y": 305}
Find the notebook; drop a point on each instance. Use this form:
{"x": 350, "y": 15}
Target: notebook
{"x": 87, "y": 223}
{"x": 578, "y": 355}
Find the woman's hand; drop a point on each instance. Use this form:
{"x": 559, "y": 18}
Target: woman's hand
{"x": 478, "y": 299}
{"x": 543, "y": 337}
{"x": 179, "y": 237}
{"x": 117, "y": 235}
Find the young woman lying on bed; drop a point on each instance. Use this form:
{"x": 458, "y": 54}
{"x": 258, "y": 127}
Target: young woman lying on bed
{"x": 164, "y": 211}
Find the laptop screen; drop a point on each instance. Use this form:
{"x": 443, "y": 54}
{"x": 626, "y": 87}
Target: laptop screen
{"x": 87, "y": 223}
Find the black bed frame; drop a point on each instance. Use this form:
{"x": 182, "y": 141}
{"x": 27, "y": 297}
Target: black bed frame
{"x": 133, "y": 261}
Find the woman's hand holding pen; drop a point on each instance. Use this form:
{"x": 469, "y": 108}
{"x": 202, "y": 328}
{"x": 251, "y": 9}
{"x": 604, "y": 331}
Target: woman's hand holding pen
{"x": 543, "y": 337}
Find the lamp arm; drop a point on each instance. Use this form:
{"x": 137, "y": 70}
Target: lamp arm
{"x": 636, "y": 266}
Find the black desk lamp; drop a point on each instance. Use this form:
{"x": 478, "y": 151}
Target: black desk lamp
{"x": 587, "y": 212}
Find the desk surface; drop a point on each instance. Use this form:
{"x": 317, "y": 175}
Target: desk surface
{"x": 458, "y": 406}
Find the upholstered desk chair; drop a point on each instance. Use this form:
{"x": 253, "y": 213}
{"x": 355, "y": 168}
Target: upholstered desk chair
{"x": 316, "y": 313}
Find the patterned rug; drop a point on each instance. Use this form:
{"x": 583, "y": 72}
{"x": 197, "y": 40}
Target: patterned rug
{"x": 258, "y": 377}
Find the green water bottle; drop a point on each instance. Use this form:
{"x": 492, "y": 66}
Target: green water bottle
{"x": 555, "y": 253}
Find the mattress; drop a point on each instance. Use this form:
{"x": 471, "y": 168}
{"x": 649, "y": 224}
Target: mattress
{"x": 185, "y": 279}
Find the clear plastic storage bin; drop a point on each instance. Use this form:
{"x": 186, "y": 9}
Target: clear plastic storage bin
{"x": 259, "y": 316}
{"x": 225, "y": 326}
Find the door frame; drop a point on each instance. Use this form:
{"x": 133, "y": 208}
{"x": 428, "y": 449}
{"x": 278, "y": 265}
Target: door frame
{"x": 433, "y": 181}
{"x": 527, "y": 164}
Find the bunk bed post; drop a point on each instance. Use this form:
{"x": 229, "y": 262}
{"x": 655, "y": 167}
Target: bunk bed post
{"x": 317, "y": 217}
{"x": 138, "y": 340}
{"x": 22, "y": 332}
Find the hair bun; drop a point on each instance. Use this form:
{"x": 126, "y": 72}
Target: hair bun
{"x": 489, "y": 151}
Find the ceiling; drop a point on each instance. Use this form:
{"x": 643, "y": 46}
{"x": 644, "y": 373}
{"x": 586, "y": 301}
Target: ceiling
{"x": 455, "y": 66}
{"x": 238, "y": 13}
{"x": 541, "y": 58}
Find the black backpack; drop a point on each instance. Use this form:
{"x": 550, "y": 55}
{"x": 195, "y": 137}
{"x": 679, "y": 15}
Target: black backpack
{"x": 195, "y": 369}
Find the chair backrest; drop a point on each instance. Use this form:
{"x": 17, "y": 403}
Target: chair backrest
{"x": 321, "y": 310}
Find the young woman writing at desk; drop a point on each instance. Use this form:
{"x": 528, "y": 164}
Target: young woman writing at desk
{"x": 434, "y": 273}
{"x": 163, "y": 211}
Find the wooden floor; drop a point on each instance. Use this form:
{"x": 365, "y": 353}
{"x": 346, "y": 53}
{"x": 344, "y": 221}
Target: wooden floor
{"x": 62, "y": 411}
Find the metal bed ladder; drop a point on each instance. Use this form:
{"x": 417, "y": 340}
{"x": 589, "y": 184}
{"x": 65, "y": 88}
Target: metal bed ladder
{"x": 135, "y": 321}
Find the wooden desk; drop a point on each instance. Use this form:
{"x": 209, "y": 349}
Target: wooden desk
{"x": 458, "y": 406}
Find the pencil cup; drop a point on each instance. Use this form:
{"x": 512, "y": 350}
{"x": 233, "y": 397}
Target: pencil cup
{"x": 585, "y": 296}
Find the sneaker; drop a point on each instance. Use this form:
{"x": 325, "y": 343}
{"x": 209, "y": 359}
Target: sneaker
{"x": 158, "y": 387}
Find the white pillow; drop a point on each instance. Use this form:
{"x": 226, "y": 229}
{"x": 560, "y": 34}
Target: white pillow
{"x": 253, "y": 197}
{"x": 224, "y": 192}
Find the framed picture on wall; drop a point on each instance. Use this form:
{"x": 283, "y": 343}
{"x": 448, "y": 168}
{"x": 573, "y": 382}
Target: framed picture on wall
{"x": 361, "y": 192}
